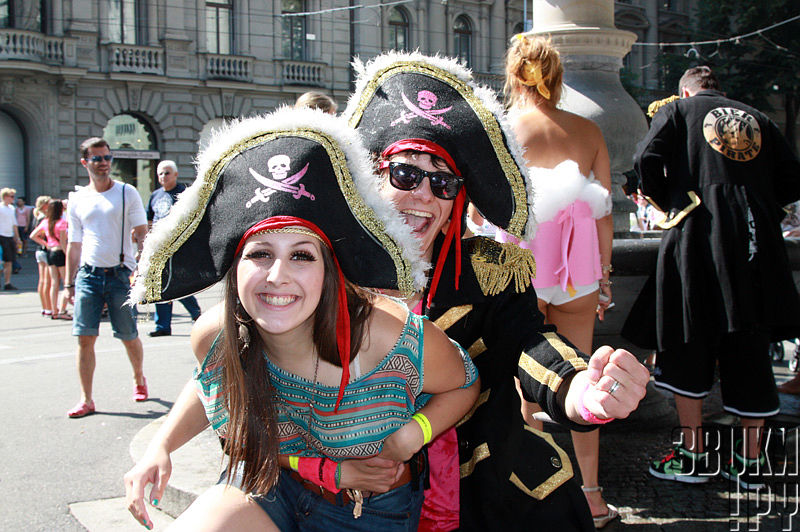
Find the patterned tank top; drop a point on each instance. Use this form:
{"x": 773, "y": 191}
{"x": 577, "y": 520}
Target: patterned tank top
{"x": 373, "y": 406}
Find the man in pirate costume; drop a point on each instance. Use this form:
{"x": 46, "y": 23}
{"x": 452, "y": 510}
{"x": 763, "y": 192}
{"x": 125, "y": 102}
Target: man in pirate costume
{"x": 442, "y": 140}
{"x": 722, "y": 290}
{"x": 277, "y": 199}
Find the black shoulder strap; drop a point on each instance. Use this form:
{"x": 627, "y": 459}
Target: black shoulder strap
{"x": 122, "y": 236}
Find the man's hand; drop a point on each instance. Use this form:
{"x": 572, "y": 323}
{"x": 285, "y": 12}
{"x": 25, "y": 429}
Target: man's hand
{"x": 603, "y": 397}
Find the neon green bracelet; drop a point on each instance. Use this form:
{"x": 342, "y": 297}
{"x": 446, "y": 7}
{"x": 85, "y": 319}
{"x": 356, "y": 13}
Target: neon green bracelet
{"x": 425, "y": 425}
{"x": 294, "y": 462}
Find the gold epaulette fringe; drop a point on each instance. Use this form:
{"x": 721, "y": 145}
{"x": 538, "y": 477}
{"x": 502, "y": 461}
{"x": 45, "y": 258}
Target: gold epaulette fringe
{"x": 496, "y": 265}
{"x": 653, "y": 108}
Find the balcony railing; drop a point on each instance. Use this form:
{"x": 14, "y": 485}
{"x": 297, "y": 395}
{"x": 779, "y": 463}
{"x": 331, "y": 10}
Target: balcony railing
{"x": 493, "y": 81}
{"x": 135, "y": 59}
{"x": 230, "y": 67}
{"x": 303, "y": 73}
{"x": 27, "y": 45}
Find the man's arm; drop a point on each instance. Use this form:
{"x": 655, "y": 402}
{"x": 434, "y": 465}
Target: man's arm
{"x": 652, "y": 157}
{"x": 73, "y": 262}
{"x": 138, "y": 234}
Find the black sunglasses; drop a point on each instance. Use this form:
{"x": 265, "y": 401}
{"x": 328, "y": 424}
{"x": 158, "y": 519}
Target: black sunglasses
{"x": 98, "y": 158}
{"x": 404, "y": 176}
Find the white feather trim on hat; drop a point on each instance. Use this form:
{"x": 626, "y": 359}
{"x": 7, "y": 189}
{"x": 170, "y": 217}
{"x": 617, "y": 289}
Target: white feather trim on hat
{"x": 285, "y": 118}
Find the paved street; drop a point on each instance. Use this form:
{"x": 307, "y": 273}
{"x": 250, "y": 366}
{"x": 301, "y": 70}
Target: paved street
{"x": 49, "y": 461}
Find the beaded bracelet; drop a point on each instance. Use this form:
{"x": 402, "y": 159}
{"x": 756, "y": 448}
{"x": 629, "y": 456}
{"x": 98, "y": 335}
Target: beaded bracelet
{"x": 425, "y": 425}
{"x": 588, "y": 416}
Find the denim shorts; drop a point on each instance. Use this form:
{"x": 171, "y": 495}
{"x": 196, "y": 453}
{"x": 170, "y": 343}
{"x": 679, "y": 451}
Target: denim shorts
{"x": 95, "y": 286}
{"x": 294, "y": 508}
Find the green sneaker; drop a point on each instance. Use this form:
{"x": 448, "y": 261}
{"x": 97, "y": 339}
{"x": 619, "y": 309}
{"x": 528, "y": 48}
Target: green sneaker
{"x": 746, "y": 471}
{"x": 682, "y": 466}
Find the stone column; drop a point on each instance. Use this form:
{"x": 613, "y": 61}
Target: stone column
{"x": 592, "y": 50}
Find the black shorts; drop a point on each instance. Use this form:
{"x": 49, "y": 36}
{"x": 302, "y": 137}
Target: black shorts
{"x": 56, "y": 257}
{"x": 9, "y": 248}
{"x": 745, "y": 373}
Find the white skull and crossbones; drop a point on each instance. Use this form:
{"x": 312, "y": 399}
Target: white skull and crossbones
{"x": 279, "y": 167}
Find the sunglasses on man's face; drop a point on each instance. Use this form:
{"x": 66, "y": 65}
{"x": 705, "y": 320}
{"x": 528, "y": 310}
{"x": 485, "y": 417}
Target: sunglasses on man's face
{"x": 99, "y": 158}
{"x": 404, "y": 176}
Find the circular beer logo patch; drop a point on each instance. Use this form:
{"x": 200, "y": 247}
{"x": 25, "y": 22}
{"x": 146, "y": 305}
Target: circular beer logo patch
{"x": 733, "y": 133}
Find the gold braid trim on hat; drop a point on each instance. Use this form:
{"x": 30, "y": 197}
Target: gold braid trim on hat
{"x": 292, "y": 230}
{"x": 519, "y": 216}
{"x": 497, "y": 264}
{"x": 532, "y": 77}
{"x": 653, "y": 108}
{"x": 366, "y": 217}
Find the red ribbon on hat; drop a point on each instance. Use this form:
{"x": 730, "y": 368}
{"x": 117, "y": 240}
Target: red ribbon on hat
{"x": 342, "y": 312}
{"x": 454, "y": 231}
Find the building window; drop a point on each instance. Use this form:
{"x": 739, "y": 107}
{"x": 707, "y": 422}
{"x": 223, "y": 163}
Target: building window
{"x": 294, "y": 30}
{"x": 43, "y": 17}
{"x": 127, "y": 21}
{"x": 463, "y": 40}
{"x": 219, "y": 27}
{"x": 398, "y": 29}
{"x": 6, "y": 14}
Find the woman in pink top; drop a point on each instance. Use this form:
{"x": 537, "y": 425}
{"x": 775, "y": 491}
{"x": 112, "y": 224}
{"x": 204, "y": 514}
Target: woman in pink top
{"x": 52, "y": 234}
{"x": 570, "y": 169}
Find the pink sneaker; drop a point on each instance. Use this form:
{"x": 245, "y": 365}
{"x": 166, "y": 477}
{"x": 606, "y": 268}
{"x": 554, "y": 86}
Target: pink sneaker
{"x": 140, "y": 392}
{"x": 81, "y": 409}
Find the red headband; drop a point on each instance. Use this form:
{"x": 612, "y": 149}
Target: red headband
{"x": 424, "y": 146}
{"x": 342, "y": 313}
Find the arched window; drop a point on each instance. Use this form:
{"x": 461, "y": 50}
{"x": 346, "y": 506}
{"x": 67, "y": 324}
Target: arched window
{"x": 463, "y": 40}
{"x": 398, "y": 29}
{"x": 219, "y": 27}
{"x": 12, "y": 156}
{"x": 136, "y": 155}
{"x": 518, "y": 28}
{"x": 294, "y": 30}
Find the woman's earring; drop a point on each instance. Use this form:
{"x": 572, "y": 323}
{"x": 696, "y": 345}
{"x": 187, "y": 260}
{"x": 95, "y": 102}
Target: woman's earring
{"x": 244, "y": 335}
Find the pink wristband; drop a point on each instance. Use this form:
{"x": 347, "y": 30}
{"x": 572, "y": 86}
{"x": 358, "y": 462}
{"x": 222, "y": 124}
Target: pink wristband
{"x": 588, "y": 416}
{"x": 319, "y": 471}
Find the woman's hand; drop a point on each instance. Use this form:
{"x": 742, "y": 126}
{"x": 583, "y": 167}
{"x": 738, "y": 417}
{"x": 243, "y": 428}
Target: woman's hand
{"x": 604, "y": 300}
{"x": 155, "y": 468}
{"x": 372, "y": 474}
{"x": 603, "y": 397}
{"x": 403, "y": 443}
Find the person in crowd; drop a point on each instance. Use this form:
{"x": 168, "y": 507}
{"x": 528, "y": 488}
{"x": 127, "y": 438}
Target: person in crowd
{"x": 9, "y": 237}
{"x": 347, "y": 385}
{"x": 570, "y": 169}
{"x": 722, "y": 290}
{"x": 51, "y": 233}
{"x": 24, "y": 218}
{"x": 101, "y": 255}
{"x": 316, "y": 100}
{"x": 43, "y": 284}
{"x": 439, "y": 139}
{"x": 161, "y": 201}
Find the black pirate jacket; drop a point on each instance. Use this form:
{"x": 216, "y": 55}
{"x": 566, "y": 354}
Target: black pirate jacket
{"x": 505, "y": 465}
{"x": 721, "y": 171}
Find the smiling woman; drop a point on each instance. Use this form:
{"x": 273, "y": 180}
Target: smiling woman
{"x": 319, "y": 388}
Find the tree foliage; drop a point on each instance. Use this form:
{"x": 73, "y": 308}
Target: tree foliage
{"x": 759, "y": 69}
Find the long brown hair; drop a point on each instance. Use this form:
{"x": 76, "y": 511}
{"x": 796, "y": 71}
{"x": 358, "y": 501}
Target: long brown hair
{"x": 252, "y": 423}
{"x": 54, "y": 211}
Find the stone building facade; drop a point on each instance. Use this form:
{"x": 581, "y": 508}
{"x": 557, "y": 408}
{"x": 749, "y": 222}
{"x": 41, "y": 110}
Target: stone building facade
{"x": 156, "y": 76}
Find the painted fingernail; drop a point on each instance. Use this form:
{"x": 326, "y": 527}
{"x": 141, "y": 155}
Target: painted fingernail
{"x": 155, "y": 502}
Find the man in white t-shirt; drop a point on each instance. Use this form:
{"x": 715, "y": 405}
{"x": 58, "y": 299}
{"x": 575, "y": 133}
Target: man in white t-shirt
{"x": 100, "y": 258}
{"x": 9, "y": 236}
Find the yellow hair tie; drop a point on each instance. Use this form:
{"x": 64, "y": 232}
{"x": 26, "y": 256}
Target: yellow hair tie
{"x": 532, "y": 76}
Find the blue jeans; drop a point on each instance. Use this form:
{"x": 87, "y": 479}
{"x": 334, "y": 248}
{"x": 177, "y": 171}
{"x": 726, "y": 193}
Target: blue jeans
{"x": 294, "y": 508}
{"x": 96, "y": 286}
{"x": 163, "y": 315}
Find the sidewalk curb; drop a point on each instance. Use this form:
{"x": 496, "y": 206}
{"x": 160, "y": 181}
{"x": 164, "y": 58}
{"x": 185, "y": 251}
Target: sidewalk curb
{"x": 195, "y": 467}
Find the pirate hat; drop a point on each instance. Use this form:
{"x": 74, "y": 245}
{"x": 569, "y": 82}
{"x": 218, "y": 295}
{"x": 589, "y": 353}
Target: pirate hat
{"x": 402, "y": 96}
{"x": 293, "y": 162}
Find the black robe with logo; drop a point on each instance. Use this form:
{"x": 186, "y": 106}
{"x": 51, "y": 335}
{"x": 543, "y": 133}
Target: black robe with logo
{"x": 721, "y": 171}
{"x": 512, "y": 477}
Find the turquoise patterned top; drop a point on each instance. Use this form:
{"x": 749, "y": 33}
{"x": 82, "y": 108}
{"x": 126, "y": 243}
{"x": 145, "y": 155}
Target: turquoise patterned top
{"x": 374, "y": 405}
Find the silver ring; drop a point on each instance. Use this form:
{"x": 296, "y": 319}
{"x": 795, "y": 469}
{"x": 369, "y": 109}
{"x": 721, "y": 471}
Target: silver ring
{"x": 613, "y": 388}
